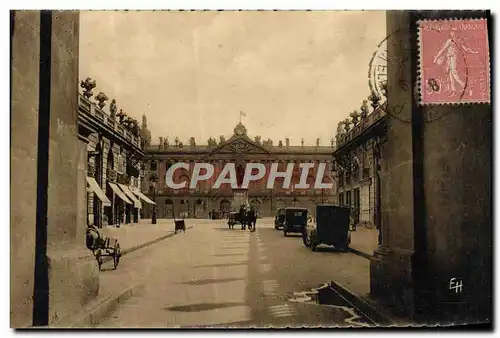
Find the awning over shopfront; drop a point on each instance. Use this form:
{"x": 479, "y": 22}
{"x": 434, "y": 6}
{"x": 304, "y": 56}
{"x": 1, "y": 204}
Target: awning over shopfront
{"x": 142, "y": 196}
{"x": 131, "y": 196}
{"x": 119, "y": 193}
{"x": 94, "y": 187}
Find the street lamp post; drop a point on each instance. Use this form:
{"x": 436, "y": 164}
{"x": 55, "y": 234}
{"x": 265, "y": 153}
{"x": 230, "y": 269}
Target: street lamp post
{"x": 153, "y": 216}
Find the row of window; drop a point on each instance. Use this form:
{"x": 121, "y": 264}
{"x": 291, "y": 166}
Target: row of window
{"x": 347, "y": 178}
{"x": 153, "y": 165}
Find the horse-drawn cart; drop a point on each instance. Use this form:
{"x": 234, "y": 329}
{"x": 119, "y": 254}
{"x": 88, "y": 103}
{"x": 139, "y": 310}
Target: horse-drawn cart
{"x": 236, "y": 218}
{"x": 180, "y": 225}
{"x": 102, "y": 246}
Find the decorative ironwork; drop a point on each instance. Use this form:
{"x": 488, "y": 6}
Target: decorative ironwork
{"x": 88, "y": 85}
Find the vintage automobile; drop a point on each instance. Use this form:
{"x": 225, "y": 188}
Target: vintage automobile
{"x": 295, "y": 220}
{"x": 279, "y": 219}
{"x": 331, "y": 227}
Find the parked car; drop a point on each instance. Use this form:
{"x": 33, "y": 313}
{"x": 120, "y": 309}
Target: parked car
{"x": 331, "y": 227}
{"x": 279, "y": 219}
{"x": 295, "y": 220}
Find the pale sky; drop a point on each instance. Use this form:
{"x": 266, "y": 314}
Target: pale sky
{"x": 294, "y": 74}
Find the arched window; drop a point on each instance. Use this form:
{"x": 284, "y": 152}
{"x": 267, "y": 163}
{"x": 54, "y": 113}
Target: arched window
{"x": 168, "y": 202}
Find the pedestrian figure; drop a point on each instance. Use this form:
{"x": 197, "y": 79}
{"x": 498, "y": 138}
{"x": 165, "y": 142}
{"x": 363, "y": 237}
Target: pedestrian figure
{"x": 242, "y": 217}
{"x": 252, "y": 219}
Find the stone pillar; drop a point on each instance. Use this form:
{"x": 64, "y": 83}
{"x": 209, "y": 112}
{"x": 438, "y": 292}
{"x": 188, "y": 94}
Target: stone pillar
{"x": 25, "y": 56}
{"x": 436, "y": 196}
{"x": 65, "y": 273}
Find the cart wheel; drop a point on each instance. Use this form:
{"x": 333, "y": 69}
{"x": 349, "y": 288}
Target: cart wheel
{"x": 116, "y": 257}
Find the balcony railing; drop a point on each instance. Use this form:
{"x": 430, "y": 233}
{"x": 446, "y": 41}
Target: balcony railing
{"x": 360, "y": 127}
{"x": 97, "y": 113}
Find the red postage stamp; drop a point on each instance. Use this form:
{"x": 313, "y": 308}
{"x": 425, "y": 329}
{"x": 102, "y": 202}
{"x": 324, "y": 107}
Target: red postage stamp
{"x": 454, "y": 61}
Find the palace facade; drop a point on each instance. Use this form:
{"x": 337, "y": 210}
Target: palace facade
{"x": 356, "y": 162}
{"x": 203, "y": 201}
{"x": 115, "y": 153}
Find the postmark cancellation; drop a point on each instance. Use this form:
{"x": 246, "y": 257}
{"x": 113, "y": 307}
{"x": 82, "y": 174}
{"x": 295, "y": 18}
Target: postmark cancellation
{"x": 454, "y": 66}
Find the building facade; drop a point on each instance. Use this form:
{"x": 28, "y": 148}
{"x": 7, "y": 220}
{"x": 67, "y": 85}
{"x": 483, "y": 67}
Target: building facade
{"x": 115, "y": 155}
{"x": 204, "y": 200}
{"x": 356, "y": 162}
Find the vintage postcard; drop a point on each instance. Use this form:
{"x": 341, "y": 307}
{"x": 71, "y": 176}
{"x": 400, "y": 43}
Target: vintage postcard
{"x": 250, "y": 169}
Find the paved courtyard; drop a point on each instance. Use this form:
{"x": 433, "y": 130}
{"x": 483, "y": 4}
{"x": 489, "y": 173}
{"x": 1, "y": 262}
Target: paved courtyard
{"x": 213, "y": 276}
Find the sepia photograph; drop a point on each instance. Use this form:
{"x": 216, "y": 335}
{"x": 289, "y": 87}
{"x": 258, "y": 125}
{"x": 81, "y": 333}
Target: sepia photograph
{"x": 251, "y": 169}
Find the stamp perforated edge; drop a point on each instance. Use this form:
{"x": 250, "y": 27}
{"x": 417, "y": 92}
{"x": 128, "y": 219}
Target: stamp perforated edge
{"x": 419, "y": 64}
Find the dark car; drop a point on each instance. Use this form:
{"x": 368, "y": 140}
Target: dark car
{"x": 295, "y": 220}
{"x": 331, "y": 227}
{"x": 279, "y": 219}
